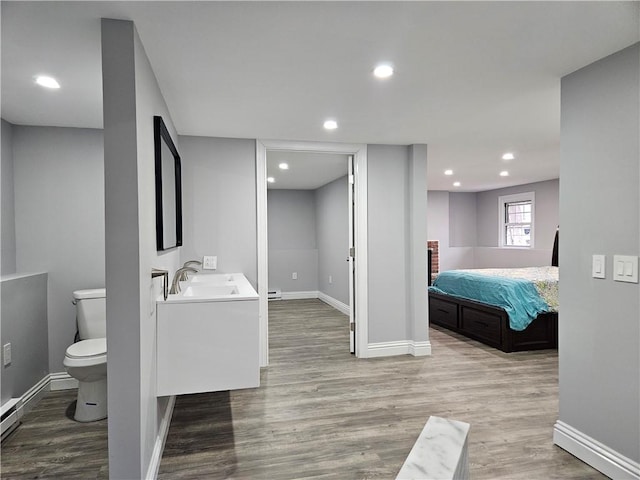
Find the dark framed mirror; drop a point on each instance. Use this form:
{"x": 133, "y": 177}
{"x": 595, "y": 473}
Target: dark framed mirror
{"x": 168, "y": 188}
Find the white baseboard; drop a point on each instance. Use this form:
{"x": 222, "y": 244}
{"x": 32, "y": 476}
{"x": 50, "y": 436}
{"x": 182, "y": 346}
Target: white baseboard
{"x": 420, "y": 349}
{"x": 337, "y": 304}
{"x": 299, "y": 295}
{"x": 401, "y": 347}
{"x": 163, "y": 431}
{"x": 24, "y": 404}
{"x": 62, "y": 381}
{"x": 594, "y": 453}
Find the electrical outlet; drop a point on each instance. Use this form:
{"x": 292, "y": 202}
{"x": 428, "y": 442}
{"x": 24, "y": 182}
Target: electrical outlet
{"x": 209, "y": 262}
{"x": 6, "y": 354}
{"x": 294, "y": 276}
{"x": 330, "y": 279}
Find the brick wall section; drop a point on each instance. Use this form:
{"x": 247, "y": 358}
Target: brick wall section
{"x": 435, "y": 258}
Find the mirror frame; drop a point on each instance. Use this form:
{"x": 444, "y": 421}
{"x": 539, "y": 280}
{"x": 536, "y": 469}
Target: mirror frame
{"x": 161, "y": 134}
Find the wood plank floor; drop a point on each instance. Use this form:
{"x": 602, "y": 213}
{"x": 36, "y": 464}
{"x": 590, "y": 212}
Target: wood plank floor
{"x": 321, "y": 413}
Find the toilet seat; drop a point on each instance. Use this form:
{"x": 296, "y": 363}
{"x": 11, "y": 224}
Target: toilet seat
{"x": 86, "y": 353}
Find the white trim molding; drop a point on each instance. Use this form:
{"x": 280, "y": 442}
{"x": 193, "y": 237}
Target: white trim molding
{"x": 25, "y": 403}
{"x": 337, "y": 304}
{"x": 299, "y": 295}
{"x": 62, "y": 381}
{"x": 594, "y": 453}
{"x": 400, "y": 347}
{"x": 158, "y": 448}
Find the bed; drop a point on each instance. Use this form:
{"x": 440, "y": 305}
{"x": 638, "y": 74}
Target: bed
{"x": 510, "y": 309}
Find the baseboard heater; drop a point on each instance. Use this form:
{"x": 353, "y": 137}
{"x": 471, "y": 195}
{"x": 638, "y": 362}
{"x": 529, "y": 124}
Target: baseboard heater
{"x": 274, "y": 294}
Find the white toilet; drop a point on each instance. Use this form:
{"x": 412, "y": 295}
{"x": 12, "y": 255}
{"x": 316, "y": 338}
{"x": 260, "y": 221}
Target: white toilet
{"x": 86, "y": 360}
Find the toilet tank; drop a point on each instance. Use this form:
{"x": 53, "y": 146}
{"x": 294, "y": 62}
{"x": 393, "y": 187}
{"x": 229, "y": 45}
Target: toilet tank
{"x": 91, "y": 311}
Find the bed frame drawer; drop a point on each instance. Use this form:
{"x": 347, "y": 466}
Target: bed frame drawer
{"x": 484, "y": 326}
{"x": 443, "y": 313}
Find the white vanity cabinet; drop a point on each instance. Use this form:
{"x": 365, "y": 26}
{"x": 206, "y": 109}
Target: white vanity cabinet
{"x": 207, "y": 345}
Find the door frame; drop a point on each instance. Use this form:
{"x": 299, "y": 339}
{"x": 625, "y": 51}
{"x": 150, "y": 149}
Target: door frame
{"x": 359, "y": 152}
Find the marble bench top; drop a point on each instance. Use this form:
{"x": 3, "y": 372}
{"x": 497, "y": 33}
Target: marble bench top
{"x": 440, "y": 453}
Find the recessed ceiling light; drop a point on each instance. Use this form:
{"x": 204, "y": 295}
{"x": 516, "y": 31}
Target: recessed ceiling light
{"x": 383, "y": 71}
{"x": 508, "y": 156}
{"x": 456, "y": 184}
{"x": 448, "y": 172}
{"x": 504, "y": 173}
{"x": 271, "y": 179}
{"x": 330, "y": 124}
{"x": 283, "y": 166}
{"x": 48, "y": 82}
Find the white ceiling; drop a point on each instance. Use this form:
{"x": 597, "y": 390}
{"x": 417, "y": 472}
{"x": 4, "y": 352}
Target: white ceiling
{"x": 473, "y": 79}
{"x": 307, "y": 171}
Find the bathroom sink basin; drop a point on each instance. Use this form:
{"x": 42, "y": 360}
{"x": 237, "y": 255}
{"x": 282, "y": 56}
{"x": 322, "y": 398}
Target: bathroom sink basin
{"x": 208, "y": 290}
{"x": 211, "y": 279}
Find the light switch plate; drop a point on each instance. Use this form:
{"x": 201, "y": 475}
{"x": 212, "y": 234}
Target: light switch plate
{"x": 625, "y": 268}
{"x": 6, "y": 354}
{"x": 209, "y": 262}
{"x": 598, "y": 269}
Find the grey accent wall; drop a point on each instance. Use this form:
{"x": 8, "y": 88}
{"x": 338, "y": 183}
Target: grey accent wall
{"x": 24, "y": 325}
{"x": 8, "y": 239}
{"x": 397, "y": 298}
{"x": 462, "y": 220}
{"x": 59, "y": 217}
{"x": 131, "y": 99}
{"x": 546, "y": 220}
{"x": 292, "y": 240}
{"x": 332, "y": 217}
{"x": 219, "y": 203}
{"x": 599, "y": 330}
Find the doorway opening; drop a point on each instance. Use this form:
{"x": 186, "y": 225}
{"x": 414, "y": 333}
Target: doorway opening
{"x": 356, "y": 179}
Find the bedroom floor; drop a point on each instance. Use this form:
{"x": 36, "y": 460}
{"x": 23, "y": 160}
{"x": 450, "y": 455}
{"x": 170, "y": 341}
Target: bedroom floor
{"x": 321, "y": 413}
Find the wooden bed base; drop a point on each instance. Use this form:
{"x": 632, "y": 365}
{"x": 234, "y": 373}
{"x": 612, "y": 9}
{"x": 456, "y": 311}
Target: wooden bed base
{"x": 490, "y": 325}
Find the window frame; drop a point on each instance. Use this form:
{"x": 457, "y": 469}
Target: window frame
{"x": 503, "y": 200}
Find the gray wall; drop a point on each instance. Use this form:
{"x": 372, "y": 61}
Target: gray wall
{"x": 59, "y": 216}
{"x": 600, "y": 209}
{"x": 292, "y": 240}
{"x": 396, "y": 298}
{"x": 219, "y": 203}
{"x": 466, "y": 224}
{"x": 131, "y": 99}
{"x": 546, "y": 221}
{"x": 24, "y": 325}
{"x": 332, "y": 231}
{"x": 438, "y": 215}
{"x": 463, "y": 220}
{"x": 8, "y": 240}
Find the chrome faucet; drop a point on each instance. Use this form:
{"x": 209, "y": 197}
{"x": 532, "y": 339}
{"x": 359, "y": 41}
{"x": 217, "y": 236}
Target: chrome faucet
{"x": 192, "y": 262}
{"x": 180, "y": 276}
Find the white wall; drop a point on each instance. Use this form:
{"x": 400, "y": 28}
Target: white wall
{"x": 599, "y": 331}
{"x": 8, "y": 238}
{"x": 219, "y": 202}
{"x": 131, "y": 99}
{"x": 332, "y": 232}
{"x": 59, "y": 217}
{"x": 292, "y": 240}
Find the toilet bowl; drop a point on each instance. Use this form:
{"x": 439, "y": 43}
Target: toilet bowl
{"x": 86, "y": 361}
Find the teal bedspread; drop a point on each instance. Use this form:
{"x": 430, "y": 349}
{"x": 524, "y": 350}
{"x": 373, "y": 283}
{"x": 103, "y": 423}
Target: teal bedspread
{"x": 519, "y": 297}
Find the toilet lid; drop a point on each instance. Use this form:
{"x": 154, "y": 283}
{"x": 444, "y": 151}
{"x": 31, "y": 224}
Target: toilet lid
{"x": 88, "y": 348}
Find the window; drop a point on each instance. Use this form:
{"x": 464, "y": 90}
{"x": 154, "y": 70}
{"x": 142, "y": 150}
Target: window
{"x": 516, "y": 220}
